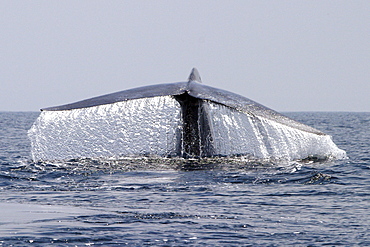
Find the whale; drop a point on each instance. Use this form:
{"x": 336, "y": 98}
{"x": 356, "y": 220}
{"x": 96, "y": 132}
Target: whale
{"x": 244, "y": 127}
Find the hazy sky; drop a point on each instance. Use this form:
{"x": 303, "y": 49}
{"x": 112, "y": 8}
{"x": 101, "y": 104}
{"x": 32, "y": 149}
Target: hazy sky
{"x": 287, "y": 55}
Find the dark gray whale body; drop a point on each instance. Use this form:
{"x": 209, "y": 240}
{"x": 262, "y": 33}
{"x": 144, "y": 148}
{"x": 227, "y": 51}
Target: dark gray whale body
{"x": 197, "y": 138}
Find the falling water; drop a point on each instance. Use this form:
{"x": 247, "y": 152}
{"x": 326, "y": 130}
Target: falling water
{"x": 153, "y": 126}
{"x": 239, "y": 133}
{"x": 137, "y": 127}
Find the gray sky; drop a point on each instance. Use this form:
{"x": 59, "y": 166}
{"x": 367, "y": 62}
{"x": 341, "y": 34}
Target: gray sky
{"x": 287, "y": 55}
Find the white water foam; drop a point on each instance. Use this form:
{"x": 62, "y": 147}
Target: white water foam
{"x": 235, "y": 132}
{"x": 153, "y": 126}
{"x": 135, "y": 127}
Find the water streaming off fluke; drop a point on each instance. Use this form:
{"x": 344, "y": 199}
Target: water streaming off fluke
{"x": 185, "y": 119}
{"x": 137, "y": 127}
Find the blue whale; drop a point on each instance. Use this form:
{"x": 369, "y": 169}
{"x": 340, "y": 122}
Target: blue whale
{"x": 201, "y": 134}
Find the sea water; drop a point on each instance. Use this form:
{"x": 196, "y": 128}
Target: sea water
{"x": 172, "y": 202}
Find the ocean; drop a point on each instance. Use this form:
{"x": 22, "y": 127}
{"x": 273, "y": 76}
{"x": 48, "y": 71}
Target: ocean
{"x": 146, "y": 202}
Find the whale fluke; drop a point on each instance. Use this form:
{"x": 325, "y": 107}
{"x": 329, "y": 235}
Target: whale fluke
{"x": 182, "y": 119}
{"x": 194, "y": 76}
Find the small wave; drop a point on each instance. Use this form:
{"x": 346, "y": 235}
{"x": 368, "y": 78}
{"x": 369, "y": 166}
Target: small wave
{"x": 126, "y": 164}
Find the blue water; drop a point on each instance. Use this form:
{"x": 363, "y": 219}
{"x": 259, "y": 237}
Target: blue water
{"x": 176, "y": 203}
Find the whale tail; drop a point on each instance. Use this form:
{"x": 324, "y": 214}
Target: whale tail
{"x": 184, "y": 119}
{"x": 194, "y": 76}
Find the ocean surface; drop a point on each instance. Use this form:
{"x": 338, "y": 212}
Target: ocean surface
{"x": 145, "y": 202}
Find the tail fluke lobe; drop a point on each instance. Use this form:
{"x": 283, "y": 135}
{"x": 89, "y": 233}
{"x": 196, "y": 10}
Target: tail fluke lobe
{"x": 194, "y": 76}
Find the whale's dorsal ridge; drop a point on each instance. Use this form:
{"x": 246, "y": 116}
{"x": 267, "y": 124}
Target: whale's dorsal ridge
{"x": 194, "y": 76}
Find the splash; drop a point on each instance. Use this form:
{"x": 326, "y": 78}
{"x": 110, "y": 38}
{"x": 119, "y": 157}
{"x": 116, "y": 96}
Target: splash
{"x": 240, "y": 133}
{"x": 153, "y": 127}
{"x": 137, "y": 127}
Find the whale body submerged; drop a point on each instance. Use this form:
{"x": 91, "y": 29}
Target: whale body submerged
{"x": 183, "y": 119}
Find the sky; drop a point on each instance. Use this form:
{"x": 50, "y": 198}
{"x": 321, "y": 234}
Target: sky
{"x": 287, "y": 55}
